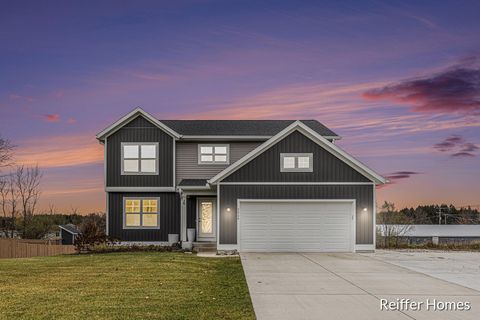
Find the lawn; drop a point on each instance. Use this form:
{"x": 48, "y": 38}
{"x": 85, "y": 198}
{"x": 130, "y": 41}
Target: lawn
{"x": 137, "y": 285}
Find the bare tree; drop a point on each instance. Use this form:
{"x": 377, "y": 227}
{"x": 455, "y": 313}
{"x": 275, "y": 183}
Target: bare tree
{"x": 51, "y": 209}
{"x": 74, "y": 210}
{"x": 6, "y": 152}
{"x": 27, "y": 181}
{"x": 9, "y": 197}
{"x": 392, "y": 225}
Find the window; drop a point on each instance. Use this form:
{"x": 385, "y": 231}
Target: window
{"x": 296, "y": 162}
{"x": 213, "y": 153}
{"x": 141, "y": 213}
{"x": 140, "y": 158}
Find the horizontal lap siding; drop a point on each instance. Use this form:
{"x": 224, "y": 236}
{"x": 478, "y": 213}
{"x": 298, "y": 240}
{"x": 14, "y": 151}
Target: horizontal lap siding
{"x": 139, "y": 130}
{"x": 266, "y": 166}
{"x": 187, "y": 166}
{"x": 169, "y": 217}
{"x": 229, "y": 194}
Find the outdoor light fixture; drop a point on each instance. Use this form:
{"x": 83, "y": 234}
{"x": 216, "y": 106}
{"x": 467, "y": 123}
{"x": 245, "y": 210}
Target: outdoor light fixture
{"x": 364, "y": 209}
{"x": 228, "y": 210}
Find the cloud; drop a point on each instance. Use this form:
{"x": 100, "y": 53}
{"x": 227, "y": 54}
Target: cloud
{"x": 52, "y": 117}
{"x": 458, "y": 145}
{"x": 59, "y": 151}
{"x": 453, "y": 90}
{"x": 71, "y": 120}
{"x": 399, "y": 175}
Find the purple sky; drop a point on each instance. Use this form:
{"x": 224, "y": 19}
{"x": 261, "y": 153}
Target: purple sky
{"x": 400, "y": 81}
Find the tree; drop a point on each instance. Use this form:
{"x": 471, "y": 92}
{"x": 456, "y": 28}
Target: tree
{"x": 27, "y": 181}
{"x": 393, "y": 225}
{"x": 6, "y": 155}
{"x": 9, "y": 199}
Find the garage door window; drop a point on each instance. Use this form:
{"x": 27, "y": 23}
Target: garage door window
{"x": 296, "y": 162}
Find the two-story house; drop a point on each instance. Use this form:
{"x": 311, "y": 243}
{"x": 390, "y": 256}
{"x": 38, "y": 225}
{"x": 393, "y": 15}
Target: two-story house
{"x": 249, "y": 185}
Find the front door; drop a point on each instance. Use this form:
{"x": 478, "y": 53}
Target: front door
{"x": 206, "y": 219}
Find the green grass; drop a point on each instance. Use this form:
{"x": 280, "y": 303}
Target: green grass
{"x": 137, "y": 285}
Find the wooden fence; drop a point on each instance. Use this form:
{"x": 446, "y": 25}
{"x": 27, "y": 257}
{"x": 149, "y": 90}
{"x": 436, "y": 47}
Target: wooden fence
{"x": 19, "y": 248}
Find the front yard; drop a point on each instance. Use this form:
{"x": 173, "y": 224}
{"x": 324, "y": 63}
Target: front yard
{"x": 124, "y": 286}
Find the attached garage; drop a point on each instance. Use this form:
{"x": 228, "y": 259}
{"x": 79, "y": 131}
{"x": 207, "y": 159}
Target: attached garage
{"x": 296, "y": 225}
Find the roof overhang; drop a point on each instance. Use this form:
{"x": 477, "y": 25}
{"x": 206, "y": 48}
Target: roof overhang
{"x": 322, "y": 141}
{"x": 129, "y": 117}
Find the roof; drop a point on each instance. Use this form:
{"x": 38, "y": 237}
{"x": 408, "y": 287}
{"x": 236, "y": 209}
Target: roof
{"x": 314, "y": 136}
{"x": 70, "y": 228}
{"x": 188, "y": 129}
{"x": 262, "y": 128}
{"x": 193, "y": 183}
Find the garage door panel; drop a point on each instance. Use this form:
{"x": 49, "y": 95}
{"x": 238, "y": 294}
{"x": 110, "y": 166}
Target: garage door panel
{"x": 295, "y": 226}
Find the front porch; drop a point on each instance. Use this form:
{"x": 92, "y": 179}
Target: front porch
{"x": 198, "y": 217}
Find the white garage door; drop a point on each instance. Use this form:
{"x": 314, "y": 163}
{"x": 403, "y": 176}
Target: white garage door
{"x": 296, "y": 226}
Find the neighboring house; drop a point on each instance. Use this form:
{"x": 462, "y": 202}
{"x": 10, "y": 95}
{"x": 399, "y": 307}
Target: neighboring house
{"x": 435, "y": 233}
{"x": 247, "y": 185}
{"x": 68, "y": 233}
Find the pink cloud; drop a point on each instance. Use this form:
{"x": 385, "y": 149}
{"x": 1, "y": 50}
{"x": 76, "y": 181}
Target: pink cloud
{"x": 71, "y": 120}
{"x": 52, "y": 117}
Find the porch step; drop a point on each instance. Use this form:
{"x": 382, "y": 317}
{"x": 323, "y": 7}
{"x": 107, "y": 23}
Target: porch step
{"x": 204, "y": 247}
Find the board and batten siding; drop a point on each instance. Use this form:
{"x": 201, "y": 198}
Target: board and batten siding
{"x": 266, "y": 166}
{"x": 169, "y": 217}
{"x": 363, "y": 194}
{"x": 186, "y": 159}
{"x": 139, "y": 130}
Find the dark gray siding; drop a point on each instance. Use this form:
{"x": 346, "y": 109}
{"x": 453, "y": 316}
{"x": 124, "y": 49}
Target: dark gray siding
{"x": 191, "y": 212}
{"x": 139, "y": 130}
{"x": 266, "y": 166}
{"x": 169, "y": 217}
{"x": 186, "y": 159}
{"x": 67, "y": 237}
{"x": 229, "y": 194}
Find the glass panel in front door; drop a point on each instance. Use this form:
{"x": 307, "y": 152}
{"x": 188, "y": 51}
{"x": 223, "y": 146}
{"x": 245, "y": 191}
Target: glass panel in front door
{"x": 206, "y": 213}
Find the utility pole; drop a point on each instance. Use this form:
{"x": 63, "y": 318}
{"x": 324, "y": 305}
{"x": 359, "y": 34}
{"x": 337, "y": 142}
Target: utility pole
{"x": 439, "y": 211}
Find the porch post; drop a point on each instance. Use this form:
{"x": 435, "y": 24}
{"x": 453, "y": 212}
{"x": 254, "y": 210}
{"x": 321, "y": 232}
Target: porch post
{"x": 183, "y": 217}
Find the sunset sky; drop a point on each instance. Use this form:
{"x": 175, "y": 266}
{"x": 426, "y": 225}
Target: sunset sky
{"x": 398, "y": 80}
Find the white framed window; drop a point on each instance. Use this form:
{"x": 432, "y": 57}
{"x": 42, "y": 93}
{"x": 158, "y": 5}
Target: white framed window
{"x": 139, "y": 158}
{"x": 141, "y": 213}
{"x": 213, "y": 154}
{"x": 296, "y": 162}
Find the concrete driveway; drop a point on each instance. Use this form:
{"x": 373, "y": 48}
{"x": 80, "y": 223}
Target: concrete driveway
{"x": 344, "y": 286}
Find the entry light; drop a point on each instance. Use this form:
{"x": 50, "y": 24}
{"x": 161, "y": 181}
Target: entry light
{"x": 228, "y": 210}
{"x": 364, "y": 209}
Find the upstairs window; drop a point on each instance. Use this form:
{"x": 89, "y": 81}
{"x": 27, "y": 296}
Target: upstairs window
{"x": 140, "y": 158}
{"x": 141, "y": 213}
{"x": 213, "y": 153}
{"x": 296, "y": 162}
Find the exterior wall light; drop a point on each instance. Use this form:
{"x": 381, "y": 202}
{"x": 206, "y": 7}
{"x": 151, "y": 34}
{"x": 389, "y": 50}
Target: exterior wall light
{"x": 364, "y": 210}
{"x": 228, "y": 210}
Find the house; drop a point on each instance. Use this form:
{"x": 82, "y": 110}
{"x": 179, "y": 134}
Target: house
{"x": 433, "y": 233}
{"x": 246, "y": 185}
{"x": 68, "y": 233}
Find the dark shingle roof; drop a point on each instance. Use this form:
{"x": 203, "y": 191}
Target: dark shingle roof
{"x": 240, "y": 127}
{"x": 71, "y": 228}
{"x": 193, "y": 182}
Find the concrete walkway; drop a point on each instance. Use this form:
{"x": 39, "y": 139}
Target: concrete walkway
{"x": 344, "y": 286}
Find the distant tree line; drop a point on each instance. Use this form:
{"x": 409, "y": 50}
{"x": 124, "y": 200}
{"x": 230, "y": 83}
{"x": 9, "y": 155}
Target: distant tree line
{"x": 428, "y": 214}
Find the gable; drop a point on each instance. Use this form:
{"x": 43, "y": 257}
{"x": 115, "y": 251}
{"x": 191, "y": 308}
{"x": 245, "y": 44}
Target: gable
{"x": 139, "y": 122}
{"x": 265, "y": 167}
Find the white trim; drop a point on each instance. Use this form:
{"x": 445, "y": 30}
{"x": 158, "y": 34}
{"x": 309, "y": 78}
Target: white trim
{"x": 130, "y": 116}
{"x": 364, "y": 247}
{"x": 183, "y": 217}
{"x": 213, "y": 162}
{"x": 139, "y": 159}
{"x": 174, "y": 164}
{"x": 284, "y": 155}
{"x": 72, "y": 233}
{"x": 205, "y": 187}
{"x": 298, "y": 183}
{"x": 106, "y": 214}
{"x": 141, "y": 213}
{"x": 352, "y": 201}
{"x": 198, "y": 192}
{"x": 218, "y": 217}
{"x": 304, "y": 129}
{"x": 140, "y": 189}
